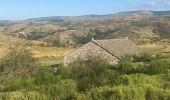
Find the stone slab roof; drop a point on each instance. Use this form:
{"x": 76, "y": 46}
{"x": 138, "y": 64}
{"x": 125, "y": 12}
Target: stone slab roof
{"x": 118, "y": 47}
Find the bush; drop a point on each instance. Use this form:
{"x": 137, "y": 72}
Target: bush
{"x": 116, "y": 93}
{"x": 157, "y": 67}
{"x": 125, "y": 65}
{"x": 64, "y": 72}
{"x": 45, "y": 76}
{"x": 62, "y": 90}
{"x": 145, "y": 57}
{"x": 18, "y": 57}
{"x": 19, "y": 84}
{"x": 20, "y": 95}
{"x": 157, "y": 94}
{"x": 89, "y": 73}
{"x": 128, "y": 67}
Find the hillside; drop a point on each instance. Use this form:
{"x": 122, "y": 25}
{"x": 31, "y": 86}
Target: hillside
{"x": 64, "y": 30}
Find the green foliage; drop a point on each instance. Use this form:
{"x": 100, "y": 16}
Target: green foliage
{"x": 157, "y": 67}
{"x": 45, "y": 76}
{"x": 64, "y": 72}
{"x": 145, "y": 57}
{"x": 157, "y": 94}
{"x": 116, "y": 93}
{"x": 136, "y": 80}
{"x": 19, "y": 84}
{"x": 127, "y": 66}
{"x": 64, "y": 90}
{"x": 89, "y": 73}
{"x": 94, "y": 79}
{"x": 20, "y": 95}
{"x": 47, "y": 85}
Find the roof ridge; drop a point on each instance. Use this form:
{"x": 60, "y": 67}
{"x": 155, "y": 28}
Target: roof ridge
{"x": 112, "y": 39}
{"x": 105, "y": 49}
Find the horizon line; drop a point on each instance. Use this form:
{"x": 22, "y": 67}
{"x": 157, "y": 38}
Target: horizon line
{"x": 29, "y": 18}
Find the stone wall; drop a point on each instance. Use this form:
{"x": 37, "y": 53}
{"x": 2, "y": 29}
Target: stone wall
{"x": 89, "y": 50}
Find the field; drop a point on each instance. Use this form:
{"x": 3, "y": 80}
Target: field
{"x": 46, "y": 55}
{"x": 157, "y": 48}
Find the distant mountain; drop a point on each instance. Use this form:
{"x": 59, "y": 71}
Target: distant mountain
{"x": 94, "y": 16}
{"x": 50, "y": 19}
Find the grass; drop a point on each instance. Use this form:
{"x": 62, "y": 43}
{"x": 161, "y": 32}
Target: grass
{"x": 46, "y": 55}
{"x": 3, "y": 50}
{"x": 50, "y": 55}
{"x": 42, "y": 51}
{"x": 50, "y": 51}
{"x": 157, "y": 48}
{"x": 47, "y": 61}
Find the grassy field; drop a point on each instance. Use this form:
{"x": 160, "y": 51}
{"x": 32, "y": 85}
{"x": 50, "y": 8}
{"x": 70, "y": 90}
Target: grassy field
{"x": 46, "y": 55}
{"x": 157, "y": 48}
{"x": 47, "y": 61}
{"x": 50, "y": 51}
{"x": 42, "y": 51}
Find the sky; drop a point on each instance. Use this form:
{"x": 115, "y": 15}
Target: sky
{"x": 23, "y": 9}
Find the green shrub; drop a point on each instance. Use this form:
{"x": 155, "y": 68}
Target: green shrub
{"x": 19, "y": 84}
{"x": 126, "y": 93}
{"x": 19, "y": 95}
{"x": 64, "y": 72}
{"x": 157, "y": 67}
{"x": 157, "y": 94}
{"x": 125, "y": 65}
{"x": 46, "y": 76}
{"x": 63, "y": 90}
{"x": 116, "y": 93}
{"x": 144, "y": 57}
{"x": 89, "y": 73}
{"x": 128, "y": 67}
{"x": 137, "y": 80}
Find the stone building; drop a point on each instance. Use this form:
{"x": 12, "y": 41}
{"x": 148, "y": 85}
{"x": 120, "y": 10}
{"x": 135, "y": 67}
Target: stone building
{"x": 111, "y": 49}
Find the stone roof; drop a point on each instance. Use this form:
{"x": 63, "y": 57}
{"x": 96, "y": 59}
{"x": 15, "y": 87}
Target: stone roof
{"x": 118, "y": 47}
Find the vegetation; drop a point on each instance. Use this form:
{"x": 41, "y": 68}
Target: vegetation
{"x": 94, "y": 79}
{"x": 138, "y": 77}
{"x": 17, "y": 58}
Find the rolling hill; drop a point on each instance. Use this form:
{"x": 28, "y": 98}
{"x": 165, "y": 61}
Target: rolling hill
{"x": 74, "y": 30}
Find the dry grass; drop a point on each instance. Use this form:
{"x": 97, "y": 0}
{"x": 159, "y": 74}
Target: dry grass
{"x": 46, "y": 55}
{"x": 50, "y": 51}
{"x": 3, "y": 51}
{"x": 157, "y": 48}
{"x": 42, "y": 51}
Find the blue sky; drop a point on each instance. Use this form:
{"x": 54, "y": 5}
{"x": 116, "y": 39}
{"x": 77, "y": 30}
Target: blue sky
{"x": 23, "y": 9}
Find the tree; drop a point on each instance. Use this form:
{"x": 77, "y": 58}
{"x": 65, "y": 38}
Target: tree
{"x": 18, "y": 57}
